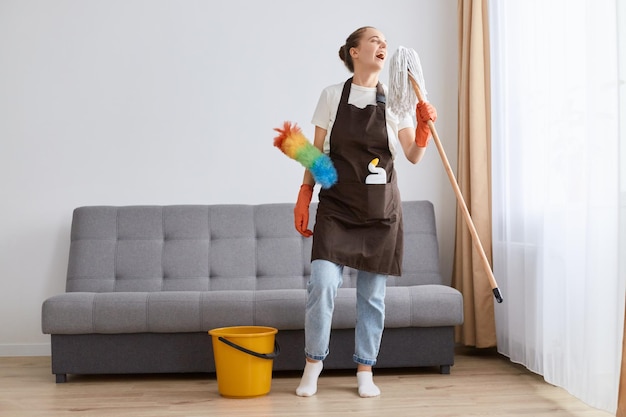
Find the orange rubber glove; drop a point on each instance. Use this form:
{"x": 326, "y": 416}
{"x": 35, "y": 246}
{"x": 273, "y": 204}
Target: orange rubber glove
{"x": 423, "y": 113}
{"x": 301, "y": 211}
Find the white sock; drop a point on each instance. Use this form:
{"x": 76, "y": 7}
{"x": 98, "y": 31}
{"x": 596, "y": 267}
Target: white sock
{"x": 365, "y": 382}
{"x": 308, "y": 383}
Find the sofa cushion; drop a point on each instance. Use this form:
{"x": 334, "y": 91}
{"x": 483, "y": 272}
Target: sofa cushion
{"x": 217, "y": 248}
{"x": 195, "y": 311}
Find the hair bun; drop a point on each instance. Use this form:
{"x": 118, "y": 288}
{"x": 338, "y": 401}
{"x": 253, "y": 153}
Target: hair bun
{"x": 342, "y": 52}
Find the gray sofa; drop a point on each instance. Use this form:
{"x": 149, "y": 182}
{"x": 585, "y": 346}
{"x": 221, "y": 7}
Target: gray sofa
{"x": 146, "y": 283}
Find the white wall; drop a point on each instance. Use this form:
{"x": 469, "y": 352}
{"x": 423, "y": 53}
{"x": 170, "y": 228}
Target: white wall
{"x": 173, "y": 102}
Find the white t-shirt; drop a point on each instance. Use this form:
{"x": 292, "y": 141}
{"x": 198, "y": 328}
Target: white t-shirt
{"x": 326, "y": 112}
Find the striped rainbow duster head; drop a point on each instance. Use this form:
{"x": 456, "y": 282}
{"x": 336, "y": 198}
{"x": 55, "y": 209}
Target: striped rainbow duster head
{"x": 295, "y": 145}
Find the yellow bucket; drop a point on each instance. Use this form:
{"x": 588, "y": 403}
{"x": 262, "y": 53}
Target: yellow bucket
{"x": 244, "y": 356}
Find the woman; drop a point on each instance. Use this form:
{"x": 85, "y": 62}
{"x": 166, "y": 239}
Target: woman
{"x": 359, "y": 219}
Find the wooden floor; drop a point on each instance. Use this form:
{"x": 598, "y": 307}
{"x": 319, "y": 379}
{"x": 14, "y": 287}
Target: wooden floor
{"x": 481, "y": 383}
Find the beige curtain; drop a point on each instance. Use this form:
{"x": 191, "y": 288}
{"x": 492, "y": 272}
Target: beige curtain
{"x": 474, "y": 175}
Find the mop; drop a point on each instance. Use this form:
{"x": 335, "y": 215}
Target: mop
{"x": 406, "y": 78}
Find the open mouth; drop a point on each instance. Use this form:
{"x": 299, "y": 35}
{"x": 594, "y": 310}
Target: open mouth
{"x": 380, "y": 55}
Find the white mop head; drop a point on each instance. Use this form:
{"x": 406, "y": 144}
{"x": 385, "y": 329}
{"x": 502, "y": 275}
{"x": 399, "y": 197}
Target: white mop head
{"x": 404, "y": 63}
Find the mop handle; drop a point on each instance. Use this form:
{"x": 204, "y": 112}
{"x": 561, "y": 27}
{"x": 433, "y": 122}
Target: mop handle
{"x": 459, "y": 196}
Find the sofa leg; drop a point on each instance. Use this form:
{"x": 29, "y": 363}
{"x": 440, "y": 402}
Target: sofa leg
{"x": 444, "y": 369}
{"x": 61, "y": 378}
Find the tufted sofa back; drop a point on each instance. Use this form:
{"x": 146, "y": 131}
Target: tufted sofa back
{"x": 217, "y": 247}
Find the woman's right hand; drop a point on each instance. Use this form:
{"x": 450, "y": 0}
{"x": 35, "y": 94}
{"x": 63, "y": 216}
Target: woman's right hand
{"x": 301, "y": 211}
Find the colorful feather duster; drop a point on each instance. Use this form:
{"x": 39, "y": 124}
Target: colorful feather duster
{"x": 295, "y": 145}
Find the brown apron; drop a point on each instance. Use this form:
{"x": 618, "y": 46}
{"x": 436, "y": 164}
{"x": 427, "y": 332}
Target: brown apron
{"x": 359, "y": 224}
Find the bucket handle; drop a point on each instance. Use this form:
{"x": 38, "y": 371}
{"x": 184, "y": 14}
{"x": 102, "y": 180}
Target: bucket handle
{"x": 272, "y": 355}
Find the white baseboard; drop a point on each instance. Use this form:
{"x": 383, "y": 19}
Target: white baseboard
{"x": 30, "y": 349}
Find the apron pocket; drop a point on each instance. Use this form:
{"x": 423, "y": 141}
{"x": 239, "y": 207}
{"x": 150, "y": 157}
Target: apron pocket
{"x": 381, "y": 204}
{"x": 357, "y": 203}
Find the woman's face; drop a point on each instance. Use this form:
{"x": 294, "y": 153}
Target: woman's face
{"x": 371, "y": 52}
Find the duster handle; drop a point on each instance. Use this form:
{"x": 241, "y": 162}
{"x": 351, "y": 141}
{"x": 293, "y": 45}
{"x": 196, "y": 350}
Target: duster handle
{"x": 459, "y": 196}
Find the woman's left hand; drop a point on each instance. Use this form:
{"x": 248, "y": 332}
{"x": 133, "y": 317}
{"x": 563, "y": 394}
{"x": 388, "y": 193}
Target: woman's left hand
{"x": 423, "y": 113}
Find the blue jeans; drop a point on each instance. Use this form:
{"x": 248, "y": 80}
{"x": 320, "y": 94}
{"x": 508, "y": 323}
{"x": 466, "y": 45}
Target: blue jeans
{"x": 326, "y": 278}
